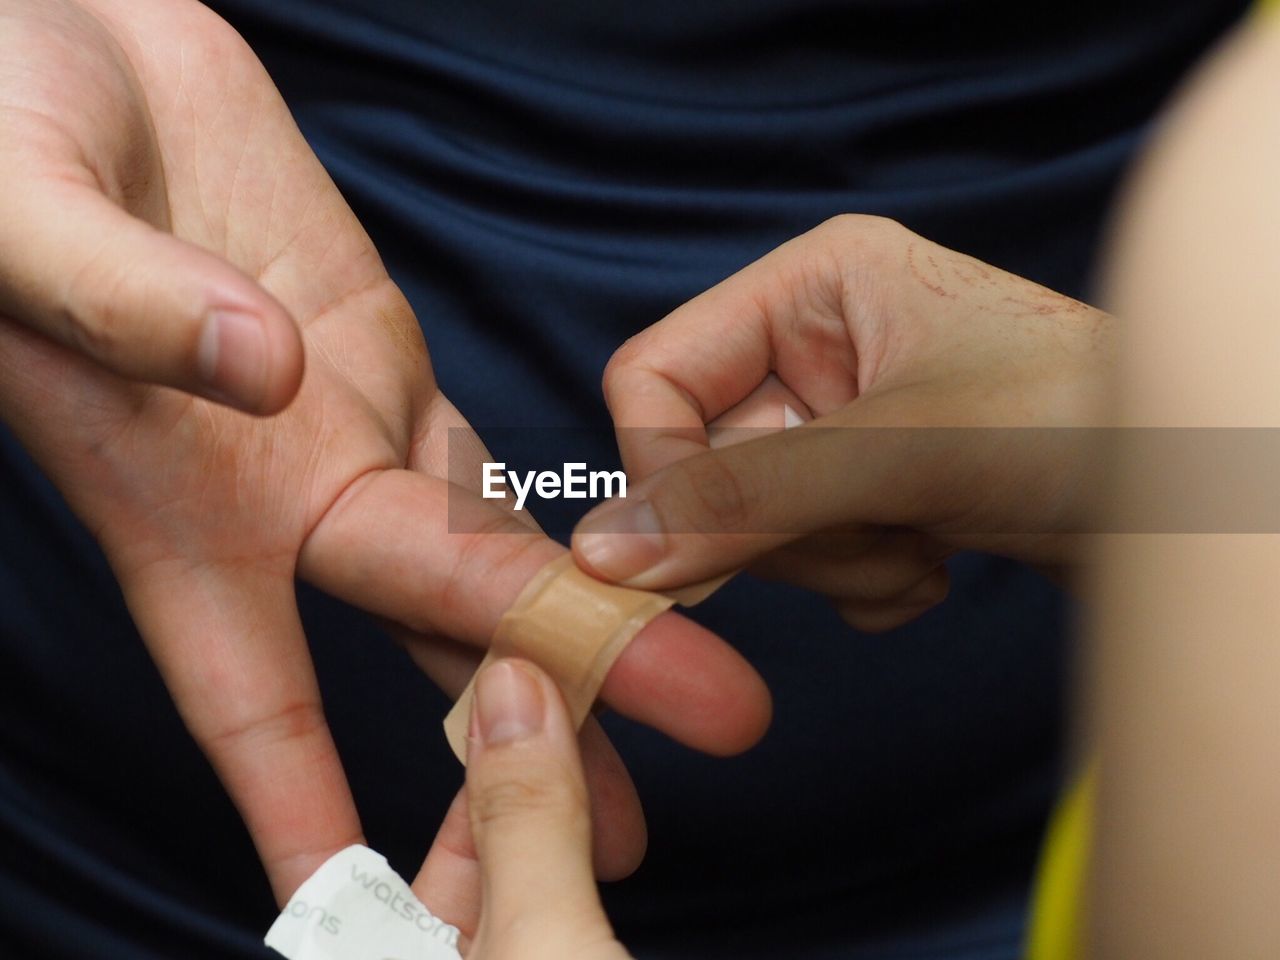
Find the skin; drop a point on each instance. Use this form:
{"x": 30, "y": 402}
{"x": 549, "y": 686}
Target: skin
{"x": 867, "y": 331}
{"x": 152, "y": 178}
{"x": 152, "y": 152}
{"x": 1182, "y": 700}
{"x": 529, "y": 817}
{"x": 857, "y": 324}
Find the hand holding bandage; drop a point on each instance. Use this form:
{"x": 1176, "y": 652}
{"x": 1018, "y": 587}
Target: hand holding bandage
{"x": 528, "y": 817}
{"x": 530, "y": 822}
{"x": 661, "y": 670}
{"x": 925, "y": 373}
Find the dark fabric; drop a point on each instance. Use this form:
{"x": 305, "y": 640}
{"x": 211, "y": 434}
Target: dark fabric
{"x": 544, "y": 180}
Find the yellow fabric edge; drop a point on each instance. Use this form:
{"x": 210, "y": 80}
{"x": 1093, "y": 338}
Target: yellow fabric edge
{"x": 1057, "y": 909}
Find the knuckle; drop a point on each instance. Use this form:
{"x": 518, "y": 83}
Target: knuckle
{"x": 95, "y": 311}
{"x": 620, "y": 366}
{"x": 625, "y": 356}
{"x": 520, "y": 794}
{"x": 859, "y": 226}
{"x": 863, "y": 250}
{"x": 885, "y": 227}
{"x": 492, "y": 543}
{"x": 287, "y": 723}
{"x": 505, "y": 800}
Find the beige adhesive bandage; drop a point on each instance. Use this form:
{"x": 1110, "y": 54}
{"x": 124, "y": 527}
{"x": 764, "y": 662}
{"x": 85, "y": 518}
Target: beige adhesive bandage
{"x": 574, "y": 627}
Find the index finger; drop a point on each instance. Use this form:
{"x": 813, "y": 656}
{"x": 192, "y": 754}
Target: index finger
{"x": 783, "y": 314}
{"x": 387, "y": 546}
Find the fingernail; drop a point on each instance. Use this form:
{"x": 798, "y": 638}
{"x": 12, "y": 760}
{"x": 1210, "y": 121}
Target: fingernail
{"x": 232, "y": 356}
{"x": 508, "y": 704}
{"x": 620, "y": 540}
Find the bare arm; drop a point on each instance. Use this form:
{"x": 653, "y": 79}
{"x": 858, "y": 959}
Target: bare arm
{"x": 1185, "y": 696}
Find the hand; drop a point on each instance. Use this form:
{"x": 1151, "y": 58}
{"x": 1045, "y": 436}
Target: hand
{"x": 529, "y": 826}
{"x": 876, "y": 333}
{"x": 153, "y": 181}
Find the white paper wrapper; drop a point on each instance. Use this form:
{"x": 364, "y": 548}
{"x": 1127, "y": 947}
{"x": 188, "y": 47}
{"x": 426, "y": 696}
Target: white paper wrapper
{"x": 355, "y": 907}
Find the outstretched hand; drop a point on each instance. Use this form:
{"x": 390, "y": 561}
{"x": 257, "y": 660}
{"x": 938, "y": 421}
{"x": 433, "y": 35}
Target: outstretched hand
{"x": 164, "y": 225}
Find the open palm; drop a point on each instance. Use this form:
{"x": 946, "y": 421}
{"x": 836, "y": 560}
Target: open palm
{"x": 164, "y": 225}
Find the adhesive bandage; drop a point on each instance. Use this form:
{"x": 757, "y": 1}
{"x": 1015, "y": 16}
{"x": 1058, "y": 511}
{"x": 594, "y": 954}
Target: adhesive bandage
{"x": 574, "y": 627}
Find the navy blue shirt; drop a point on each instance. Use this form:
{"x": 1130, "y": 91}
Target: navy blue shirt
{"x": 544, "y": 180}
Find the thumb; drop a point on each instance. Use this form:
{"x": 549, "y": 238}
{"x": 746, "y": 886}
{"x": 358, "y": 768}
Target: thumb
{"x": 144, "y": 304}
{"x": 719, "y": 510}
{"x": 530, "y": 821}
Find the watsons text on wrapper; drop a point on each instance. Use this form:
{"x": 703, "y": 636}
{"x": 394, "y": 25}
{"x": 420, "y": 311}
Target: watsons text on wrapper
{"x": 355, "y": 907}
{"x": 575, "y": 482}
